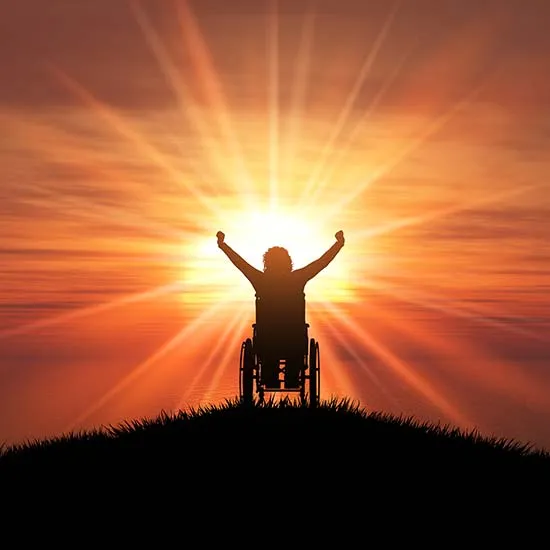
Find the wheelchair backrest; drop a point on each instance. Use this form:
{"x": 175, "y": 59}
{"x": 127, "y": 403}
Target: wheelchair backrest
{"x": 288, "y": 309}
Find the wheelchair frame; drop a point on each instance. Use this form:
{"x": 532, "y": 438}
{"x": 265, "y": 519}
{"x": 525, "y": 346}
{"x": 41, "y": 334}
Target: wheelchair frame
{"x": 250, "y": 372}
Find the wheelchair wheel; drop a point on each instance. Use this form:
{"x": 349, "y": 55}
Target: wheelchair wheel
{"x": 246, "y": 378}
{"x": 314, "y": 373}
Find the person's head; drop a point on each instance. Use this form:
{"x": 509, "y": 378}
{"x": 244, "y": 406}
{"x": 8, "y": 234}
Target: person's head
{"x": 277, "y": 260}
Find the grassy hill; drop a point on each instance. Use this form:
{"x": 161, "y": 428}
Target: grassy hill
{"x": 275, "y": 444}
{"x": 278, "y": 473}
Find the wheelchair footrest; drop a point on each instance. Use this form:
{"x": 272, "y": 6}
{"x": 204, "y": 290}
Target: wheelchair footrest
{"x": 281, "y": 389}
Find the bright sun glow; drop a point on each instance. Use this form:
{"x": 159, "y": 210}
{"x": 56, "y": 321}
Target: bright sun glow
{"x": 211, "y": 276}
{"x": 280, "y": 142}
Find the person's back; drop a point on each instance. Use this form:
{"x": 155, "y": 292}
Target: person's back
{"x": 280, "y": 303}
{"x": 280, "y": 310}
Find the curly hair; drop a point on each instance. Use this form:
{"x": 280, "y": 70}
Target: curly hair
{"x": 277, "y": 259}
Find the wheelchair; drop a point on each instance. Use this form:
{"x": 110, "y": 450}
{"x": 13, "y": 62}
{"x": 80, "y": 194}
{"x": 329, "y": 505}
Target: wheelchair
{"x": 251, "y": 365}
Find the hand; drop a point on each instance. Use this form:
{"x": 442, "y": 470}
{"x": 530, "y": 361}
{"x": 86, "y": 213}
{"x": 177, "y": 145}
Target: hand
{"x": 340, "y": 237}
{"x": 221, "y": 237}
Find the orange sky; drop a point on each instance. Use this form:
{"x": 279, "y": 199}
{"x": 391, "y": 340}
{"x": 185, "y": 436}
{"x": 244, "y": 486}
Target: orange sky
{"x": 133, "y": 131}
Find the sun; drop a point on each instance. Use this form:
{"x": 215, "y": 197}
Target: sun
{"x": 208, "y": 275}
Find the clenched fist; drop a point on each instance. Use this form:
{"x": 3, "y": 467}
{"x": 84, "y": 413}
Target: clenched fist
{"x": 340, "y": 237}
{"x": 221, "y": 237}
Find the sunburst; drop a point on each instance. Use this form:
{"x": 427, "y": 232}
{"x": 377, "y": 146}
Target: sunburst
{"x": 259, "y": 200}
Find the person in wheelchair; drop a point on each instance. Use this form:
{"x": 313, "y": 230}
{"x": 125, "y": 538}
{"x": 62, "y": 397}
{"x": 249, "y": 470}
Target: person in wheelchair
{"x": 281, "y": 330}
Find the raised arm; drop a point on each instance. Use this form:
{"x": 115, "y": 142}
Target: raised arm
{"x": 250, "y": 272}
{"x": 312, "y": 269}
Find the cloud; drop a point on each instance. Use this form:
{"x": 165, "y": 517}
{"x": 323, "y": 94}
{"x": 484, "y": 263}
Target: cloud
{"x": 100, "y": 44}
{"x": 504, "y": 225}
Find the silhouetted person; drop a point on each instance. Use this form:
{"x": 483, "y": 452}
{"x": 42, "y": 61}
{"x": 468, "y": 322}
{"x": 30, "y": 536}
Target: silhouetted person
{"x": 280, "y": 307}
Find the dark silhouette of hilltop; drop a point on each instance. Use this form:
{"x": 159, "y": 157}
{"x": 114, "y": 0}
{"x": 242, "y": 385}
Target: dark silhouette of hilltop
{"x": 338, "y": 446}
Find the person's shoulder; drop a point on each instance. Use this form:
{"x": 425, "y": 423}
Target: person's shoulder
{"x": 299, "y": 275}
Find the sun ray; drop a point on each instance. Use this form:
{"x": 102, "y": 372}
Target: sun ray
{"x": 421, "y": 219}
{"x": 402, "y": 369}
{"x": 122, "y": 217}
{"x": 364, "y": 72}
{"x": 232, "y": 350}
{"x": 343, "y": 150}
{"x": 300, "y": 80}
{"x": 221, "y": 342}
{"x": 208, "y": 77}
{"x": 64, "y": 151}
{"x": 175, "y": 80}
{"x": 435, "y": 294}
{"x": 412, "y": 146}
{"x": 273, "y": 98}
{"x": 336, "y": 333}
{"x": 331, "y": 365}
{"x": 91, "y": 310}
{"x": 467, "y": 52}
{"x": 440, "y": 303}
{"x": 111, "y": 214}
{"x": 143, "y": 367}
{"x": 508, "y": 378}
{"x": 120, "y": 126}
